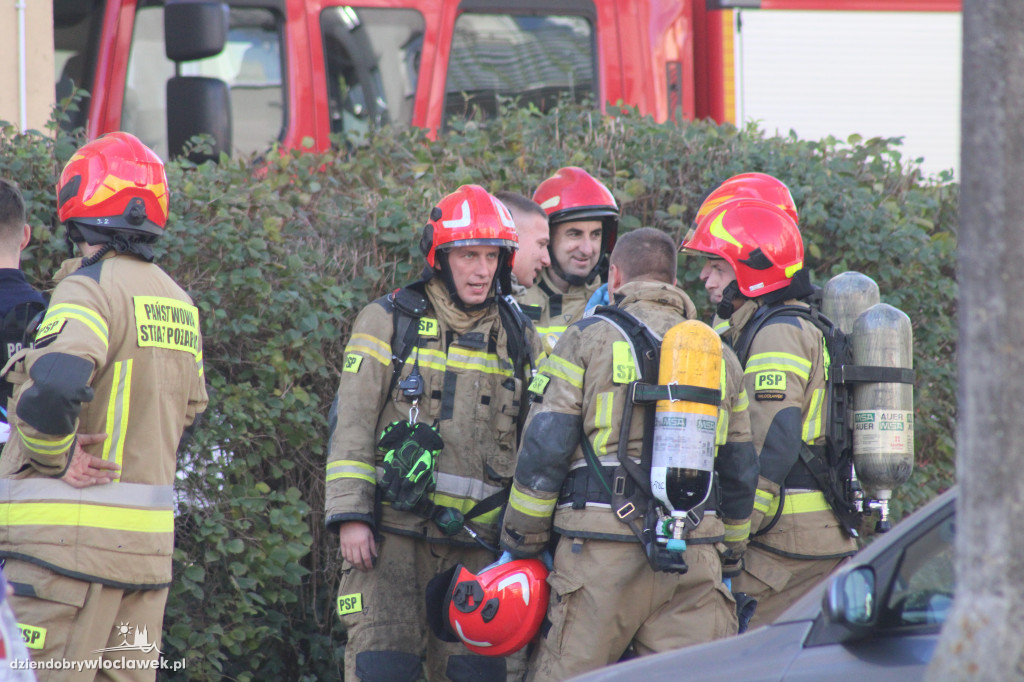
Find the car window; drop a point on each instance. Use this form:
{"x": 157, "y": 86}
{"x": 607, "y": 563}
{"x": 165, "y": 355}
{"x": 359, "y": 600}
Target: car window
{"x": 924, "y": 584}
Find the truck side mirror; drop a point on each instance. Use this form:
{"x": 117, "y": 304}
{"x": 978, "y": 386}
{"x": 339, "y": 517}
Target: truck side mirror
{"x": 197, "y": 106}
{"x": 194, "y": 30}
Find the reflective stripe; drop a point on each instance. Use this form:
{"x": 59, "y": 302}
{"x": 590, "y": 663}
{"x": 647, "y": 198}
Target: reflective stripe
{"x": 554, "y": 329}
{"x": 428, "y": 357}
{"x": 780, "y": 362}
{"x": 737, "y": 533}
{"x": 463, "y": 486}
{"x": 134, "y": 507}
{"x": 87, "y": 516}
{"x": 603, "y": 414}
{"x": 370, "y": 345}
{"x": 722, "y": 432}
{"x": 42, "y": 446}
{"x": 117, "y": 413}
{"x": 463, "y": 505}
{"x": 813, "y": 422}
{"x": 140, "y": 495}
{"x": 560, "y": 368}
{"x": 531, "y": 506}
{"x": 763, "y": 500}
{"x": 742, "y": 402}
{"x": 350, "y": 468}
{"x": 488, "y": 363}
{"x": 199, "y": 362}
{"x": 721, "y": 327}
{"x": 90, "y": 318}
{"x": 800, "y": 503}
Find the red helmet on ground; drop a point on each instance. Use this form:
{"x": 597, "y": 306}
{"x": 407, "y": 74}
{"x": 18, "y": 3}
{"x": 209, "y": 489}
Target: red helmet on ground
{"x": 495, "y": 612}
{"x": 758, "y": 239}
{"x": 114, "y": 184}
{"x": 573, "y": 194}
{"x": 751, "y": 186}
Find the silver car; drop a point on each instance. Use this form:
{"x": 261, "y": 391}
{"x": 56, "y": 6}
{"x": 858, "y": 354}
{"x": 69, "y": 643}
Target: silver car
{"x": 877, "y": 618}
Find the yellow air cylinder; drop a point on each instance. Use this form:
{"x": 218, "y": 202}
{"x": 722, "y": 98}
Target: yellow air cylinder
{"x": 684, "y": 430}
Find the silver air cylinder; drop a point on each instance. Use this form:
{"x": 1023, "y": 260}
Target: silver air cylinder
{"x": 883, "y": 420}
{"x": 846, "y": 296}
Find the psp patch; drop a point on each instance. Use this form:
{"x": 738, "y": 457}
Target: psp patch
{"x": 427, "y": 327}
{"x": 352, "y": 363}
{"x": 34, "y": 637}
{"x": 623, "y": 364}
{"x": 770, "y": 386}
{"x": 539, "y": 384}
{"x": 49, "y": 329}
{"x": 350, "y": 603}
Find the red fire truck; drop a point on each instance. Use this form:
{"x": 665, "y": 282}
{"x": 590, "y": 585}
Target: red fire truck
{"x": 250, "y": 72}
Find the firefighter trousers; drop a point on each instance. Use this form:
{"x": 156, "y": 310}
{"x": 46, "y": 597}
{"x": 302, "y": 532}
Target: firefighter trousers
{"x": 70, "y": 622}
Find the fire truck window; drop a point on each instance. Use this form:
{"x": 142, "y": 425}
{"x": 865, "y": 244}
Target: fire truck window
{"x": 531, "y": 60}
{"x": 76, "y": 26}
{"x": 250, "y": 64}
{"x": 372, "y": 64}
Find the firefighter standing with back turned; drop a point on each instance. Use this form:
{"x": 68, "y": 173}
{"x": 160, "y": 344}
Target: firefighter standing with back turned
{"x": 424, "y": 436}
{"x": 755, "y": 261}
{"x": 114, "y": 377}
{"x": 606, "y": 592}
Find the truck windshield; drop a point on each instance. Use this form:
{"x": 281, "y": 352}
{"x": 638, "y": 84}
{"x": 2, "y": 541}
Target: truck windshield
{"x": 532, "y": 60}
{"x": 373, "y": 60}
{"x": 250, "y": 64}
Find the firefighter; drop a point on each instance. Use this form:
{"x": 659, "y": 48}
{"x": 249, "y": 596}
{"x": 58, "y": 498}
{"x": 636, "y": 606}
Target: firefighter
{"x": 422, "y": 447}
{"x": 114, "y": 377}
{"x": 584, "y": 221}
{"x": 19, "y": 302}
{"x": 534, "y": 236}
{"x": 607, "y": 594}
{"x": 755, "y": 261}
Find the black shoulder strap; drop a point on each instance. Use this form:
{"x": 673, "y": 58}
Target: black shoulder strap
{"x": 410, "y": 304}
{"x": 769, "y": 312}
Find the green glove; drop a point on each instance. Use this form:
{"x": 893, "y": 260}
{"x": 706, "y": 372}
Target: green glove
{"x": 410, "y": 457}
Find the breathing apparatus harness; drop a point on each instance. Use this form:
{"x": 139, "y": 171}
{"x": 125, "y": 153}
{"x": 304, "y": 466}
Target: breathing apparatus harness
{"x": 629, "y": 487}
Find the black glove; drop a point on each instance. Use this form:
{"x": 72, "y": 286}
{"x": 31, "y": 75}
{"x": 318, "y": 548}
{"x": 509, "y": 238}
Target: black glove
{"x": 410, "y": 457}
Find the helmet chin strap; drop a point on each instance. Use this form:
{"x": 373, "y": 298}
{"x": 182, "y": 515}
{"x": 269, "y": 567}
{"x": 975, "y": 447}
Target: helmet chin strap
{"x": 729, "y": 294}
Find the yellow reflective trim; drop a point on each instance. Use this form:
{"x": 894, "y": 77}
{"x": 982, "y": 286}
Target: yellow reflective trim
{"x": 369, "y": 345}
{"x": 763, "y": 500}
{"x": 780, "y": 362}
{"x": 603, "y": 414}
{"x": 46, "y": 447}
{"x": 531, "y": 506}
{"x": 560, "y": 368}
{"x": 718, "y": 230}
{"x": 90, "y": 318}
{"x": 742, "y": 402}
{"x": 464, "y": 505}
{"x": 117, "y": 413}
{"x": 738, "y": 532}
{"x": 553, "y": 329}
{"x": 350, "y": 468}
{"x": 813, "y": 422}
{"x": 199, "y": 362}
{"x": 801, "y": 503}
{"x": 479, "y": 361}
{"x": 721, "y": 327}
{"x": 87, "y": 516}
{"x": 722, "y": 432}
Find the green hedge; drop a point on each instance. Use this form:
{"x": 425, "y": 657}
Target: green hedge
{"x": 281, "y": 252}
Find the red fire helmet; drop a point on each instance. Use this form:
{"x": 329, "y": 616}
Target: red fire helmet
{"x": 469, "y": 216}
{"x": 758, "y": 239}
{"x": 495, "y": 612}
{"x": 573, "y": 194}
{"x": 752, "y": 186}
{"x": 115, "y": 184}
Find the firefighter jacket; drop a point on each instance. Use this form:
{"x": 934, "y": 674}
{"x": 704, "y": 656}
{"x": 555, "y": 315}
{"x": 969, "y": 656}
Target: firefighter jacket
{"x": 785, "y": 380}
{"x": 471, "y": 390}
{"x": 582, "y": 388}
{"x": 551, "y": 310}
{"x": 119, "y": 352}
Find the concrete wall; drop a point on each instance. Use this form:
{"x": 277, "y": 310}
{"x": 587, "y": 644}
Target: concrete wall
{"x": 38, "y": 60}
